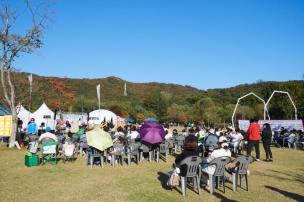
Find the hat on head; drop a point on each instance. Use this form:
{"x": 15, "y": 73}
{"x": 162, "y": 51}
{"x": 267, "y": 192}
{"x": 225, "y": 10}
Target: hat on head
{"x": 48, "y": 129}
{"x": 223, "y": 139}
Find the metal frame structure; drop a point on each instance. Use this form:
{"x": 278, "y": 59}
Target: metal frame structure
{"x": 283, "y": 92}
{"x": 238, "y": 101}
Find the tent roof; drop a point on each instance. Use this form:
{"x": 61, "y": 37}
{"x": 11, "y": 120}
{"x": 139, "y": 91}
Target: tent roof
{"x": 103, "y": 114}
{"x": 42, "y": 108}
{"x": 21, "y": 109}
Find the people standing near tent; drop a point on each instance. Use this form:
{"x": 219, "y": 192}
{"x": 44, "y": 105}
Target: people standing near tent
{"x": 32, "y": 130}
{"x": 266, "y": 138}
{"x": 254, "y": 138}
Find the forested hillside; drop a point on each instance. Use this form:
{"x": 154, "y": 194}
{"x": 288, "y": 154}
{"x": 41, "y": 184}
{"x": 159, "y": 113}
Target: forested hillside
{"x": 164, "y": 101}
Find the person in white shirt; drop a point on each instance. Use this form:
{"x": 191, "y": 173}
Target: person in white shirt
{"x": 134, "y": 134}
{"x": 292, "y": 137}
{"x": 168, "y": 134}
{"x": 221, "y": 152}
{"x": 236, "y": 137}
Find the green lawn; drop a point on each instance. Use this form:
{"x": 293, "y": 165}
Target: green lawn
{"x": 282, "y": 180}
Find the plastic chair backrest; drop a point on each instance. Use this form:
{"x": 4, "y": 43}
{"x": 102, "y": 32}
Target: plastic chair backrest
{"x": 170, "y": 142}
{"x": 133, "y": 149}
{"x": 146, "y": 148}
{"x": 163, "y": 148}
{"x": 69, "y": 149}
{"x": 242, "y": 163}
{"x": 119, "y": 148}
{"x": 49, "y": 148}
{"x": 95, "y": 152}
{"x": 220, "y": 164}
{"x": 193, "y": 164}
{"x": 180, "y": 138}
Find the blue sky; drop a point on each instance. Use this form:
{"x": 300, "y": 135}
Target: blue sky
{"x": 205, "y": 44}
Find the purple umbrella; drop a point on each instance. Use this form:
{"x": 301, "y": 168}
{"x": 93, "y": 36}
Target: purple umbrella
{"x": 152, "y": 133}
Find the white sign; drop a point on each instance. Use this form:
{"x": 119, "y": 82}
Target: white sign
{"x": 274, "y": 124}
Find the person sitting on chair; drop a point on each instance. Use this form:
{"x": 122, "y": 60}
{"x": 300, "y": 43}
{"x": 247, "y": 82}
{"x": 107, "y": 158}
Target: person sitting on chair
{"x": 32, "y": 130}
{"x": 222, "y": 151}
{"x": 235, "y": 139}
{"x": 190, "y": 149}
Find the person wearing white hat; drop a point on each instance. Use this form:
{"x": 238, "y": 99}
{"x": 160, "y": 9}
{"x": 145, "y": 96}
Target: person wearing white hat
{"x": 221, "y": 152}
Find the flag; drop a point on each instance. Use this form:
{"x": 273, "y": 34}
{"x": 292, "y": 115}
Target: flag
{"x": 125, "y": 90}
{"x": 98, "y": 94}
{"x": 30, "y": 78}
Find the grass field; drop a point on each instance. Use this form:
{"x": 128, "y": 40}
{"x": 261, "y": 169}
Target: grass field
{"x": 282, "y": 180}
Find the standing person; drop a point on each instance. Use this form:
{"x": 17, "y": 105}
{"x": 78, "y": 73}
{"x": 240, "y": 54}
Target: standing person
{"x": 254, "y": 138}
{"x": 266, "y": 138}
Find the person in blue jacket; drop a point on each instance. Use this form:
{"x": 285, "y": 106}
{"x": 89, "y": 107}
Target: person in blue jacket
{"x": 32, "y": 130}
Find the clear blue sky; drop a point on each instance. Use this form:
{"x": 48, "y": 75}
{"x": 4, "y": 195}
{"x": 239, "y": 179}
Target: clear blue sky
{"x": 206, "y": 44}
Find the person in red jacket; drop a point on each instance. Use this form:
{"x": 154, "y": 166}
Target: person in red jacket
{"x": 254, "y": 138}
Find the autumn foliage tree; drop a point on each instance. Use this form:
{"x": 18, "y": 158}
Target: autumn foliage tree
{"x": 60, "y": 96}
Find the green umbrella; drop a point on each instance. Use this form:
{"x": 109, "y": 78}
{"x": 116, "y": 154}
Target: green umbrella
{"x": 99, "y": 139}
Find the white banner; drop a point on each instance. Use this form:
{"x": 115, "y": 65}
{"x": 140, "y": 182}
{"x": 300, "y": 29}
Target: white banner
{"x": 274, "y": 124}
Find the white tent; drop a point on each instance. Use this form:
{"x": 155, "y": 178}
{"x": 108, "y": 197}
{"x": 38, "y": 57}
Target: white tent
{"x": 44, "y": 115}
{"x": 98, "y": 116}
{"x": 24, "y": 115}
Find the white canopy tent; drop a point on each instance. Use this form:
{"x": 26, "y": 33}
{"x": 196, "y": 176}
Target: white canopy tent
{"x": 98, "y": 116}
{"x": 24, "y": 115}
{"x": 44, "y": 115}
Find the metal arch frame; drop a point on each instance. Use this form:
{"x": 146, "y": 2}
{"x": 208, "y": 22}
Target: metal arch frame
{"x": 283, "y": 92}
{"x": 238, "y": 101}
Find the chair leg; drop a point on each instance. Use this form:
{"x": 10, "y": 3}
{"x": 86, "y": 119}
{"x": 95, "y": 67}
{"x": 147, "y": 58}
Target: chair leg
{"x": 246, "y": 178}
{"x": 234, "y": 181}
{"x": 150, "y": 156}
{"x": 183, "y": 183}
{"x": 211, "y": 186}
{"x": 223, "y": 179}
{"x": 113, "y": 159}
{"x": 240, "y": 180}
{"x": 101, "y": 161}
{"x": 194, "y": 183}
{"x": 129, "y": 159}
{"x": 157, "y": 156}
{"x": 186, "y": 183}
{"x": 91, "y": 161}
{"x": 217, "y": 182}
{"x": 198, "y": 184}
